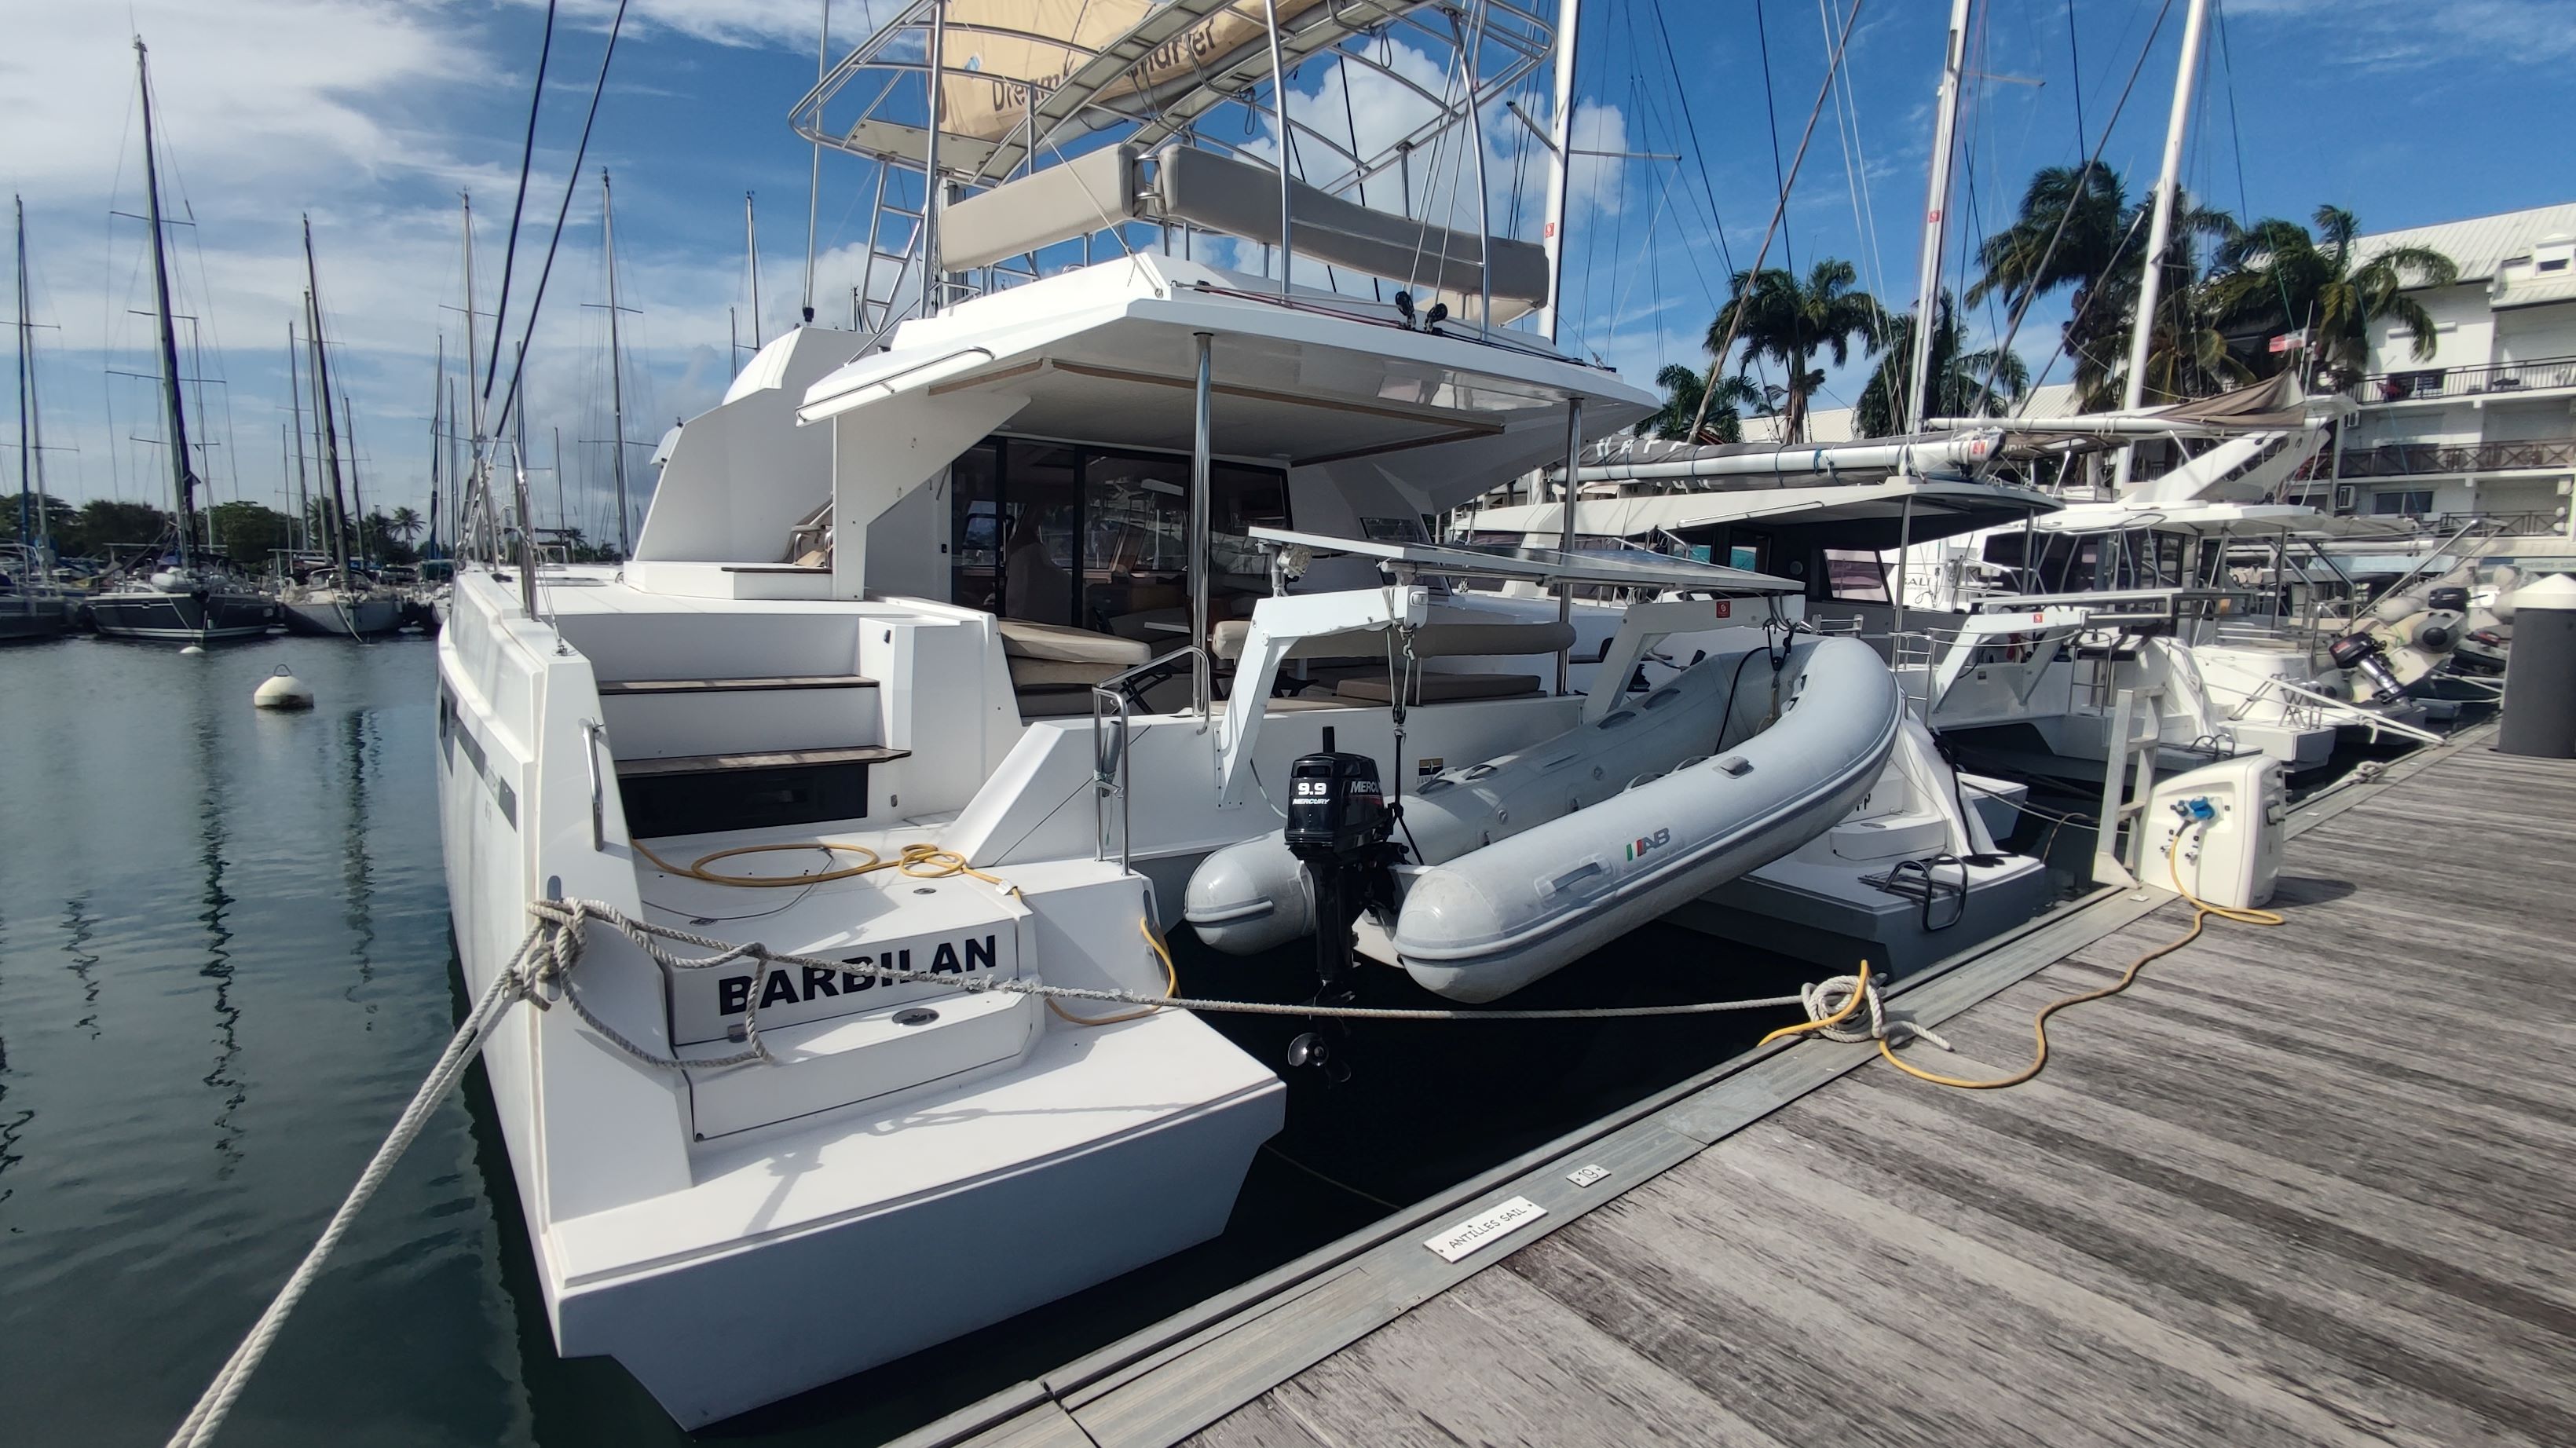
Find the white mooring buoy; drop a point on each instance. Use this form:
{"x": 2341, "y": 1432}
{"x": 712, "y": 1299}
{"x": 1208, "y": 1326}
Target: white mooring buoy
{"x": 190, "y": 649}
{"x": 282, "y": 690}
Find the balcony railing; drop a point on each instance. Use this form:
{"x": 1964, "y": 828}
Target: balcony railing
{"x": 2503, "y": 525}
{"x": 2415, "y": 459}
{"x": 2502, "y": 377}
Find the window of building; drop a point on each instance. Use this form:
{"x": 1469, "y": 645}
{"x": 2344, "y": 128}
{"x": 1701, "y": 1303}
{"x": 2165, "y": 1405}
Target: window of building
{"x": 2410, "y": 502}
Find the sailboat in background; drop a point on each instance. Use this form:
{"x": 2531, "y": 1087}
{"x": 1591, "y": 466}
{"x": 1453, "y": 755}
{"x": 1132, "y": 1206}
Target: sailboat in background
{"x": 32, "y": 605}
{"x": 339, "y": 601}
{"x": 187, "y": 594}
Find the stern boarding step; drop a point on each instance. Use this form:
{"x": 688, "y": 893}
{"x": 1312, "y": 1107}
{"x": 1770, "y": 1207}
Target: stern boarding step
{"x": 855, "y": 1038}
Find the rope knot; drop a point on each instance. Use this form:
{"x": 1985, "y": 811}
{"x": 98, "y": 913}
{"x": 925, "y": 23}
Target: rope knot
{"x": 1829, "y": 1003}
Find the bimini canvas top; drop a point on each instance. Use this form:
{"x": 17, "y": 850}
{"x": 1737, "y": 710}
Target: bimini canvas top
{"x": 1059, "y": 119}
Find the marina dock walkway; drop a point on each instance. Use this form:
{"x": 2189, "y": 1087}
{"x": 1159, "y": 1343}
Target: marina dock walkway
{"x": 2300, "y": 1185}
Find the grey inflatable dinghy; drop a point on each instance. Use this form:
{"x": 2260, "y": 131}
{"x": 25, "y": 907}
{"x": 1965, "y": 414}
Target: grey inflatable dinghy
{"x": 1524, "y": 863}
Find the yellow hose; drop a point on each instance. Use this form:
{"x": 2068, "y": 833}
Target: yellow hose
{"x": 2201, "y": 911}
{"x": 919, "y": 861}
{"x": 1171, "y": 986}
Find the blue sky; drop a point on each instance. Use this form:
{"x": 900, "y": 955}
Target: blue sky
{"x": 371, "y": 116}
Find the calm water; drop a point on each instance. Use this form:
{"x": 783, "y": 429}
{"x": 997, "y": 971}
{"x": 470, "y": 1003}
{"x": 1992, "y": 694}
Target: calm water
{"x": 224, "y": 966}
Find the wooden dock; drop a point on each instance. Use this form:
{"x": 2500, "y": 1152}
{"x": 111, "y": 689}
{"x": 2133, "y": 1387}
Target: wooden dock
{"x": 2308, "y": 1184}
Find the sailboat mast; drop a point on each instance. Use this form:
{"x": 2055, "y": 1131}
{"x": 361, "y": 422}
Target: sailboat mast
{"x": 339, "y": 508}
{"x": 1560, "y": 138}
{"x": 26, "y": 399}
{"x": 616, "y": 367}
{"x": 357, "y": 497}
{"x": 479, "y": 484}
{"x": 1927, "y": 284}
{"x": 295, "y": 403}
{"x": 2160, "y": 230}
{"x": 751, "y": 259}
{"x": 183, "y": 478}
{"x": 437, "y": 397}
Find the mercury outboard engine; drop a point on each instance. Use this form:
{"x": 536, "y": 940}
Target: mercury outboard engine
{"x": 2364, "y": 654}
{"x": 1341, "y": 829}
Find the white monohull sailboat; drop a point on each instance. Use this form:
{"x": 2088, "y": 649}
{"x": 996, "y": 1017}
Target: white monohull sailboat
{"x": 978, "y": 646}
{"x": 186, "y": 595}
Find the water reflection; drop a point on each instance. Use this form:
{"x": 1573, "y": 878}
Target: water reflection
{"x": 357, "y": 868}
{"x": 12, "y": 1122}
{"x": 79, "y": 926}
{"x": 217, "y": 902}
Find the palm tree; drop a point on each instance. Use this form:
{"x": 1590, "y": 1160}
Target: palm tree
{"x": 405, "y": 525}
{"x": 1722, "y": 421}
{"x": 1965, "y": 383}
{"x": 1772, "y": 314}
{"x": 2277, "y": 274}
{"x": 2078, "y": 229}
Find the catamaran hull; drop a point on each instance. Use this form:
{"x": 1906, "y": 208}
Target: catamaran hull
{"x": 730, "y": 1264}
{"x": 189, "y": 617}
{"x": 326, "y": 618}
{"x": 722, "y": 1335}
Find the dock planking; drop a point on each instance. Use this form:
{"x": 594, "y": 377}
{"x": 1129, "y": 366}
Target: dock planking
{"x": 2299, "y": 1185}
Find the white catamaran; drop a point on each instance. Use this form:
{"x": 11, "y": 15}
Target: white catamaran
{"x": 983, "y": 645}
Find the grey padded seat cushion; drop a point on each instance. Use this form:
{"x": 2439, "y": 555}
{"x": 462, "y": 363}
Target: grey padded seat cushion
{"x": 1022, "y": 639}
{"x": 1430, "y": 688}
{"x": 1053, "y": 703}
{"x": 1450, "y": 633}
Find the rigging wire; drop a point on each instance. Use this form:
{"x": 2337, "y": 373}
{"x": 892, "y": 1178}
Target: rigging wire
{"x": 2074, "y": 198}
{"x": 572, "y": 178}
{"x": 518, "y": 207}
{"x": 1779, "y": 208}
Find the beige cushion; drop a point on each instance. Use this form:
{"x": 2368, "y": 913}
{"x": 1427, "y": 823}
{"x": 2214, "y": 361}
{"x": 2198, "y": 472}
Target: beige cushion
{"x": 1451, "y": 633}
{"x": 1043, "y": 673}
{"x": 1022, "y": 639}
{"x": 1430, "y": 688}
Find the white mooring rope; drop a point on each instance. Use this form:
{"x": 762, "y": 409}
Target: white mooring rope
{"x": 1827, "y": 997}
{"x": 202, "y": 1422}
{"x": 540, "y": 972}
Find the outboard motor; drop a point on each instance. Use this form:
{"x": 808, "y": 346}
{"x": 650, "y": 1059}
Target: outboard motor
{"x": 2363, "y": 654}
{"x": 1341, "y": 830}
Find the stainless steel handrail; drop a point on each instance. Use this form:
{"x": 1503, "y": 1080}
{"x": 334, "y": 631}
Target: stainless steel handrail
{"x": 592, "y": 732}
{"x": 1108, "y": 766}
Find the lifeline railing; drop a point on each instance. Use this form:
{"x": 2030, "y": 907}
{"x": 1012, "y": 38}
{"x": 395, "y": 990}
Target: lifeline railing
{"x": 1109, "y": 753}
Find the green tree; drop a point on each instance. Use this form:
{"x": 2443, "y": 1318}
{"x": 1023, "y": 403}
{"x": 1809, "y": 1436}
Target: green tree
{"x": 1683, "y": 389}
{"x": 2277, "y": 275}
{"x": 248, "y": 532}
{"x": 377, "y": 529}
{"x": 1773, "y": 314}
{"x": 1966, "y": 382}
{"x": 106, "y": 521}
{"x": 406, "y": 525}
{"x": 2077, "y": 231}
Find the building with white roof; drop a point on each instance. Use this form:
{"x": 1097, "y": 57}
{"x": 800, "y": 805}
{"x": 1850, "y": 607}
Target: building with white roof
{"x": 2486, "y": 426}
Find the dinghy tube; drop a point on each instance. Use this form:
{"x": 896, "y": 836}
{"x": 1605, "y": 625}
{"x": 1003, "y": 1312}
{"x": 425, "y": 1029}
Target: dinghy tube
{"x": 1532, "y": 860}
